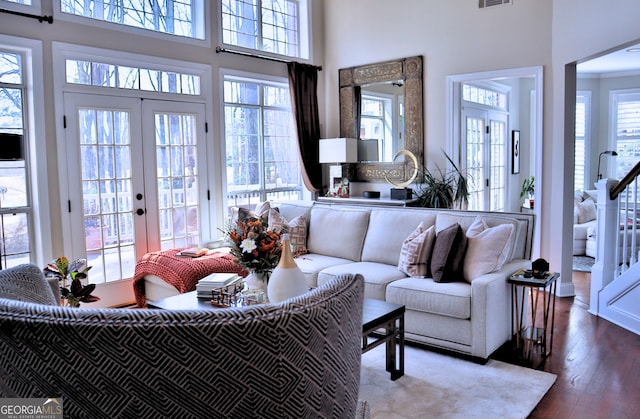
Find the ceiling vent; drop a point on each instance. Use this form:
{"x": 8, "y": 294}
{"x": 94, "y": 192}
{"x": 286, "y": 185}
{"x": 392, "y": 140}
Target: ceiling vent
{"x": 488, "y": 3}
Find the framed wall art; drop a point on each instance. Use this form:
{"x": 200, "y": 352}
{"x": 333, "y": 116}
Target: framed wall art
{"x": 515, "y": 151}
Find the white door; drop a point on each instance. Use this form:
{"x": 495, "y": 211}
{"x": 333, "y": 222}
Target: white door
{"x": 134, "y": 184}
{"x": 485, "y": 155}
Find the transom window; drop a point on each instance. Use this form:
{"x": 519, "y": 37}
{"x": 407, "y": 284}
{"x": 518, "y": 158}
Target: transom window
{"x": 176, "y": 17}
{"x": 273, "y": 26}
{"x": 127, "y": 77}
{"x": 261, "y": 145}
{"x": 484, "y": 96}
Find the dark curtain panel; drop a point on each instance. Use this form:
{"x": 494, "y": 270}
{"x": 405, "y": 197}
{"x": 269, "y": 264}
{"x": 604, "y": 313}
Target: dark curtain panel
{"x": 357, "y": 91}
{"x": 303, "y": 86}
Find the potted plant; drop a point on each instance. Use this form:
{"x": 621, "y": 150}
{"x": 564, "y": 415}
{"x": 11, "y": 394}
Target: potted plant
{"x": 443, "y": 188}
{"x": 528, "y": 189}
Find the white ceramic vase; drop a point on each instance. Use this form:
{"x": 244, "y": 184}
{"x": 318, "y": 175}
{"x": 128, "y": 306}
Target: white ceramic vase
{"x": 286, "y": 280}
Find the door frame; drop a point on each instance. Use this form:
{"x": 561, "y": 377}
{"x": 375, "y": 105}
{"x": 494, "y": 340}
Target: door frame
{"x": 453, "y": 125}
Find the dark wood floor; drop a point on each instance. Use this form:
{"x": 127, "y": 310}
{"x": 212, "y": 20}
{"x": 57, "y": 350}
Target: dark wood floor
{"x": 597, "y": 363}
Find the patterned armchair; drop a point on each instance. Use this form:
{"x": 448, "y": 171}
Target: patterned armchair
{"x": 299, "y": 358}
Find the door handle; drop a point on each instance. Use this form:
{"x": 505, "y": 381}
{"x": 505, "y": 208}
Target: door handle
{"x": 139, "y": 197}
{"x": 140, "y": 211}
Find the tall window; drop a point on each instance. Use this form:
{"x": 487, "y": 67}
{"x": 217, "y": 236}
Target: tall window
{"x": 176, "y": 17}
{"x": 626, "y": 105}
{"x": 15, "y": 201}
{"x": 583, "y": 112}
{"x": 273, "y": 26}
{"x": 261, "y": 145}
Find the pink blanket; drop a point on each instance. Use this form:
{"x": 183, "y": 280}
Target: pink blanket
{"x": 181, "y": 272}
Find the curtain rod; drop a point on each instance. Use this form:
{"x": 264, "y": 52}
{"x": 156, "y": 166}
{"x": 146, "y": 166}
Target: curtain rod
{"x": 40, "y": 18}
{"x": 263, "y": 57}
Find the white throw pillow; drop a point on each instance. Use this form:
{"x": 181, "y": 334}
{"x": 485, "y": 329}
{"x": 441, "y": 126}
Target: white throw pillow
{"x": 586, "y": 211}
{"x": 488, "y": 248}
{"x": 416, "y": 251}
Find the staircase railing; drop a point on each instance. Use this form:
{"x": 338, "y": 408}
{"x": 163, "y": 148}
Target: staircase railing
{"x": 617, "y": 232}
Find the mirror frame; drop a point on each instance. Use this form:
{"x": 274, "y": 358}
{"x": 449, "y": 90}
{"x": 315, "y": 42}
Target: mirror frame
{"x": 410, "y": 70}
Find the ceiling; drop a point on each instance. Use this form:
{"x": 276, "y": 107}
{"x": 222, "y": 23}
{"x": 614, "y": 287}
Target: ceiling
{"x": 618, "y": 61}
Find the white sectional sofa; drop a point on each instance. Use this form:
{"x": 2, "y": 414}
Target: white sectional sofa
{"x": 472, "y": 318}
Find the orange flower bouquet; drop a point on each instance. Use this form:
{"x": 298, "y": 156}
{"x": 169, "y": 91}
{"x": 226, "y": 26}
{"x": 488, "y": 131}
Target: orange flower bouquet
{"x": 256, "y": 248}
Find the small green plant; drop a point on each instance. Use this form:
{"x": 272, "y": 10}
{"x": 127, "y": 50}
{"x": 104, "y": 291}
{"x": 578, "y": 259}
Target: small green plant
{"x": 528, "y": 187}
{"x": 443, "y": 188}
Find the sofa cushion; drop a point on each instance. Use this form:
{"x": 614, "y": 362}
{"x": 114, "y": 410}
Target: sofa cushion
{"x": 415, "y": 253}
{"x": 297, "y": 229}
{"x": 487, "y": 249}
{"x": 377, "y": 276}
{"x": 338, "y": 233}
{"x": 425, "y": 295}
{"x": 388, "y": 228}
{"x": 448, "y": 252}
{"x": 312, "y": 263}
{"x": 586, "y": 211}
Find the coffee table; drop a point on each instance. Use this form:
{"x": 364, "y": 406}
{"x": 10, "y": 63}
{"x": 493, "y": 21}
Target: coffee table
{"x": 382, "y": 322}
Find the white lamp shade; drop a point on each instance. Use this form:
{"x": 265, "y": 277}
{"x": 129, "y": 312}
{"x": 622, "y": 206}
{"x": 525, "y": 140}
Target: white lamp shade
{"x": 368, "y": 150}
{"x": 338, "y": 150}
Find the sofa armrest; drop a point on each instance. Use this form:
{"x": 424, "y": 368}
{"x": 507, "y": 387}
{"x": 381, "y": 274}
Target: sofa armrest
{"x": 491, "y": 308}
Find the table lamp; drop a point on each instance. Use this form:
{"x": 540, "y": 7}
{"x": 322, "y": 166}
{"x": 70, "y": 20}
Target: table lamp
{"x": 338, "y": 150}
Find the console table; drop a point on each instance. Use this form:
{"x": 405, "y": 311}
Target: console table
{"x": 359, "y": 200}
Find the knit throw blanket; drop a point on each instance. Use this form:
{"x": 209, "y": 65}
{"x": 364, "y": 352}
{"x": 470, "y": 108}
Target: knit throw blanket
{"x": 181, "y": 272}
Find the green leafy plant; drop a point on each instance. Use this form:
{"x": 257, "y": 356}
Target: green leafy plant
{"x": 443, "y": 188}
{"x": 71, "y": 276}
{"x": 528, "y": 187}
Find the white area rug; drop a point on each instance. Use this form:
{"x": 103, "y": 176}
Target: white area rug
{"x": 441, "y": 386}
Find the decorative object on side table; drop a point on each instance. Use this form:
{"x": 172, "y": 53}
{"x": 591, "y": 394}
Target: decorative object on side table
{"x": 72, "y": 290}
{"x": 256, "y": 248}
{"x": 287, "y": 280}
{"x": 401, "y": 191}
{"x": 338, "y": 150}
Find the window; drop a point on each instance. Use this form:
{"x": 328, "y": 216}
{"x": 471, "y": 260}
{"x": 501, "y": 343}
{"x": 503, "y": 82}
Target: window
{"x": 128, "y": 77}
{"x": 583, "y": 112}
{"x": 273, "y": 26}
{"x": 262, "y": 160}
{"x": 176, "y": 17}
{"x": 626, "y": 105}
{"x": 15, "y": 201}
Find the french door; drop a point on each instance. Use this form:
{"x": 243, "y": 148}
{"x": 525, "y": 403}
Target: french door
{"x": 485, "y": 151}
{"x": 133, "y": 169}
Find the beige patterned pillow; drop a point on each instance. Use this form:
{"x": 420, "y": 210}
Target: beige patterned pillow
{"x": 416, "y": 250}
{"x": 297, "y": 229}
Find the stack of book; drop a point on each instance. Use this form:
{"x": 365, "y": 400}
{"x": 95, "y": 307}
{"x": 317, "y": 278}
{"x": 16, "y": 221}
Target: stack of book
{"x": 193, "y": 252}
{"x": 214, "y": 281}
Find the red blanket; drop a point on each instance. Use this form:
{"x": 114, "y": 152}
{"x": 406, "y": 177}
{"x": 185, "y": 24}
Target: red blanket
{"x": 181, "y": 272}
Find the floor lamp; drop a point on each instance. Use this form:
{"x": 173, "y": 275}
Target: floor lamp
{"x": 608, "y": 153}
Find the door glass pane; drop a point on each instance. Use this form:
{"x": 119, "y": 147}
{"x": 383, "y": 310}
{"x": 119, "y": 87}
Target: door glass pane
{"x": 107, "y": 193}
{"x": 497, "y": 156}
{"x": 475, "y": 162}
{"x": 177, "y": 180}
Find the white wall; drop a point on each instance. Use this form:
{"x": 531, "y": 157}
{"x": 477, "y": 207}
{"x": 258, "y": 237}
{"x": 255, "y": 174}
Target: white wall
{"x": 581, "y": 29}
{"x": 455, "y": 37}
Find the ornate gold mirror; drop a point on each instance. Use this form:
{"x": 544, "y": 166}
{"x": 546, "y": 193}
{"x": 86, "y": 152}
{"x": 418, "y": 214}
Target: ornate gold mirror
{"x": 405, "y": 71}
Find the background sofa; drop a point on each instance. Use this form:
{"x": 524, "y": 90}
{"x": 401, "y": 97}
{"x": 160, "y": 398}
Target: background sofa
{"x": 470, "y": 318}
{"x": 300, "y": 358}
